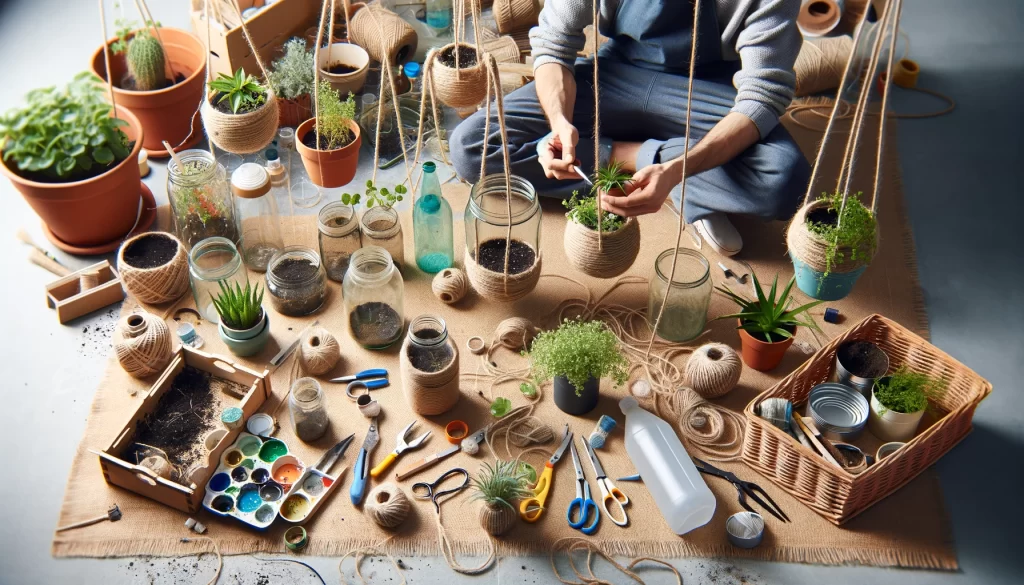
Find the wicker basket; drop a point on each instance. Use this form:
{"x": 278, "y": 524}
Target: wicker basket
{"x": 833, "y": 493}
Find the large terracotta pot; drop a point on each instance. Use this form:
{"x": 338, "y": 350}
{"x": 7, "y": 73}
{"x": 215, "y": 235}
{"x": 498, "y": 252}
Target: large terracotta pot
{"x": 761, "y": 355}
{"x": 329, "y": 168}
{"x": 169, "y": 113}
{"x": 91, "y": 212}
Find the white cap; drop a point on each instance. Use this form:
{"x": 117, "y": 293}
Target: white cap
{"x": 250, "y": 181}
{"x": 628, "y": 403}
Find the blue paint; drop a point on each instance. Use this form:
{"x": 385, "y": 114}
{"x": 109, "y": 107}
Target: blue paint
{"x": 219, "y": 482}
{"x": 249, "y": 500}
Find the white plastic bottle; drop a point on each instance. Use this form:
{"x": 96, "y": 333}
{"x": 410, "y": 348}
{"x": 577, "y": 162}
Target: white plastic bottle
{"x": 668, "y": 472}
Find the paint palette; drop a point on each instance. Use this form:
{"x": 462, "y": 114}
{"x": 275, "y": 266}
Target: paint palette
{"x": 306, "y": 496}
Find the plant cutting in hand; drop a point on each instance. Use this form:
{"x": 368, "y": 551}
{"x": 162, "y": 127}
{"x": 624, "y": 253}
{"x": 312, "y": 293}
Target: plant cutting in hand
{"x": 239, "y": 309}
{"x": 907, "y": 392}
{"x": 502, "y": 484}
{"x": 851, "y": 231}
{"x": 242, "y": 92}
{"x": 292, "y": 74}
{"x": 769, "y": 318}
{"x": 578, "y": 350}
{"x": 376, "y": 198}
{"x": 583, "y": 210}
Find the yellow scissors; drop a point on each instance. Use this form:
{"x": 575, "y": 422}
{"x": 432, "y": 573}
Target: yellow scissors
{"x": 608, "y": 489}
{"x": 531, "y": 508}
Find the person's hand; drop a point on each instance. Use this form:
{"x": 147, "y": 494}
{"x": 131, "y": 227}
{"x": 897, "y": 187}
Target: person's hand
{"x": 646, "y": 193}
{"x": 557, "y": 154}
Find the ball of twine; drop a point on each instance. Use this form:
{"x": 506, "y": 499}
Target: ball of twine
{"x": 459, "y": 88}
{"x": 387, "y": 505}
{"x": 820, "y": 63}
{"x": 713, "y": 370}
{"x": 393, "y": 42}
{"x": 242, "y": 133}
{"x": 496, "y": 519}
{"x": 516, "y": 333}
{"x": 515, "y": 15}
{"x": 161, "y": 284}
{"x": 494, "y": 285}
{"x": 613, "y": 256}
{"x": 812, "y": 250}
{"x": 450, "y": 285}
{"x": 530, "y": 431}
{"x": 319, "y": 351}
{"x": 142, "y": 343}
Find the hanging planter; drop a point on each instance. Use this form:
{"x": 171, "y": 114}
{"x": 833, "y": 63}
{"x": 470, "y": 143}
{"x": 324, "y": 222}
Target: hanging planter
{"x": 154, "y": 267}
{"x": 597, "y": 243}
{"x": 457, "y": 72}
{"x": 387, "y": 37}
{"x": 515, "y": 15}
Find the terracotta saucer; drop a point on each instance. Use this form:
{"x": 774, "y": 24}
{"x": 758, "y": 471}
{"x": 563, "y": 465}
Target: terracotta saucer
{"x": 145, "y": 221}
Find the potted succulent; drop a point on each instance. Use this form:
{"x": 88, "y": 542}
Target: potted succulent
{"x": 611, "y": 251}
{"x": 329, "y": 143}
{"x": 898, "y": 402}
{"x": 831, "y": 242}
{"x": 767, "y": 325}
{"x": 158, "y": 74}
{"x": 380, "y": 223}
{"x": 291, "y": 78}
{"x": 240, "y": 113}
{"x": 577, "y": 355}
{"x": 244, "y": 325}
{"x": 498, "y": 487}
{"x": 75, "y": 162}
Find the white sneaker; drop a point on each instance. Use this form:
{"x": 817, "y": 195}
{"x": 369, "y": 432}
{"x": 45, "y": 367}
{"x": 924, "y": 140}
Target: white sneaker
{"x": 720, "y": 234}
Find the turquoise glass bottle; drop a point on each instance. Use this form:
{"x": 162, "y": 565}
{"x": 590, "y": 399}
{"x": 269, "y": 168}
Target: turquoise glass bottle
{"x": 432, "y": 225}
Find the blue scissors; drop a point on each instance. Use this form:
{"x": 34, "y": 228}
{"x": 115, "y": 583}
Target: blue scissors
{"x": 368, "y": 379}
{"x": 583, "y": 503}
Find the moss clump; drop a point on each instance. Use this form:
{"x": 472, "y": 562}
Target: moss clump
{"x": 907, "y": 392}
{"x": 852, "y": 237}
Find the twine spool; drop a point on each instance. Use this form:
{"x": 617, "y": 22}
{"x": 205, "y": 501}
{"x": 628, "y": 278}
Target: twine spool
{"x": 818, "y": 17}
{"x": 319, "y": 351}
{"x": 811, "y": 249}
{"x": 905, "y": 73}
{"x": 88, "y": 280}
{"x": 496, "y": 519}
{"x": 142, "y": 343}
{"x": 394, "y": 42}
{"x": 607, "y": 258}
{"x": 450, "y": 285}
{"x": 161, "y": 284}
{"x": 713, "y": 370}
{"x": 387, "y": 505}
{"x": 515, "y": 15}
{"x": 430, "y": 393}
{"x": 242, "y": 133}
{"x": 516, "y": 333}
{"x": 459, "y": 88}
{"x": 819, "y": 65}
{"x": 495, "y": 286}
{"x": 530, "y": 431}
{"x": 505, "y": 49}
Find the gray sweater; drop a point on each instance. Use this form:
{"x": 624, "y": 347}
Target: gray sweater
{"x": 761, "y": 34}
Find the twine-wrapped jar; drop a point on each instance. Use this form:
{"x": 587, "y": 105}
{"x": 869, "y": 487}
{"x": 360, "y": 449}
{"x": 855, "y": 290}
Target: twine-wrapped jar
{"x": 156, "y": 284}
{"x": 430, "y": 367}
{"x": 515, "y": 15}
{"x": 244, "y": 133}
{"x": 463, "y": 87}
{"x": 142, "y": 343}
{"x": 610, "y": 257}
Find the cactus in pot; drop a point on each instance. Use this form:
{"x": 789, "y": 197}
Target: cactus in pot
{"x": 145, "y": 59}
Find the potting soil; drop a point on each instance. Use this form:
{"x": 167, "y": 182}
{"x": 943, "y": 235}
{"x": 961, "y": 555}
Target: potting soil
{"x": 521, "y": 257}
{"x": 151, "y": 251}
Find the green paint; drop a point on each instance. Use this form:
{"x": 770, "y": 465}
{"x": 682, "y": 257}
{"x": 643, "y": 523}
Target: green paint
{"x": 249, "y": 446}
{"x": 249, "y": 463}
{"x": 273, "y": 449}
{"x": 231, "y": 490}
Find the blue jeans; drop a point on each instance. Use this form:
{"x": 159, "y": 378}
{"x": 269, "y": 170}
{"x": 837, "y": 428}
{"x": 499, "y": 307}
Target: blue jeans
{"x": 767, "y": 180}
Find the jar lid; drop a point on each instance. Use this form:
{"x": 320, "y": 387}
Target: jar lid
{"x": 250, "y": 181}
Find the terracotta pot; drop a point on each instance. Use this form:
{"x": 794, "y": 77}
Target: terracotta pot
{"x": 165, "y": 114}
{"x": 91, "y": 212}
{"x": 331, "y": 168}
{"x": 761, "y": 355}
{"x": 348, "y": 54}
{"x": 295, "y": 111}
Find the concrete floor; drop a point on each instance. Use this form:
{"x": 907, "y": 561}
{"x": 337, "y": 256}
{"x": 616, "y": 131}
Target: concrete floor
{"x": 968, "y": 265}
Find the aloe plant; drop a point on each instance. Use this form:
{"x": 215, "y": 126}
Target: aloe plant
{"x": 769, "y": 316}
{"x": 239, "y": 308}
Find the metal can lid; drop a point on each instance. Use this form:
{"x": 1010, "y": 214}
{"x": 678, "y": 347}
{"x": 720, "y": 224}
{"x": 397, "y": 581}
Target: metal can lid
{"x": 260, "y": 424}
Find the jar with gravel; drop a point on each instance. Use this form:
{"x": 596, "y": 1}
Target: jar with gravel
{"x": 296, "y": 281}
{"x": 339, "y": 238}
{"x": 374, "y": 295}
{"x": 308, "y": 407}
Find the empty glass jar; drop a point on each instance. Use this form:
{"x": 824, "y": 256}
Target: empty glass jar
{"x": 374, "y": 298}
{"x": 308, "y": 407}
{"x": 296, "y": 281}
{"x": 200, "y": 199}
{"x": 339, "y": 238}
{"x": 212, "y": 261}
{"x": 256, "y": 211}
{"x": 689, "y": 294}
{"x": 382, "y": 227}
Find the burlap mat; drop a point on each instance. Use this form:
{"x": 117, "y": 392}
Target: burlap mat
{"x": 908, "y": 529}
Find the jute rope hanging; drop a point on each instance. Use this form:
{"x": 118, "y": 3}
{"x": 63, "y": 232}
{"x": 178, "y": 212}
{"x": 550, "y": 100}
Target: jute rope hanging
{"x": 142, "y": 343}
{"x": 459, "y": 86}
{"x": 160, "y": 284}
{"x": 430, "y": 393}
{"x": 389, "y": 39}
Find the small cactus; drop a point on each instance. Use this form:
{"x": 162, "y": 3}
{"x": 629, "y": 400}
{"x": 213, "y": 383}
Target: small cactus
{"x": 146, "y": 62}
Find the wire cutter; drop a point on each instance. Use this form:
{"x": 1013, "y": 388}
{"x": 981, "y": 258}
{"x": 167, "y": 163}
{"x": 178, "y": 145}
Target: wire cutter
{"x": 531, "y": 508}
{"x": 401, "y": 446}
{"x": 743, "y": 489}
{"x": 583, "y": 503}
{"x": 608, "y": 489}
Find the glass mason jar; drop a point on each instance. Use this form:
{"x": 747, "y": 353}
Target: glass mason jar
{"x": 430, "y": 349}
{"x": 382, "y": 227}
{"x": 339, "y": 238}
{"x": 296, "y": 281}
{"x": 487, "y": 221}
{"x": 210, "y": 262}
{"x": 373, "y": 291}
{"x": 256, "y": 212}
{"x": 689, "y": 295}
{"x": 308, "y": 407}
{"x": 432, "y": 225}
{"x": 200, "y": 199}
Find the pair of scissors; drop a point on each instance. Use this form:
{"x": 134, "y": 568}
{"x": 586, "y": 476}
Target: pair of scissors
{"x": 608, "y": 490}
{"x": 583, "y": 503}
{"x": 425, "y": 491}
{"x": 368, "y": 379}
{"x": 531, "y": 508}
{"x": 333, "y": 454}
{"x": 743, "y": 489}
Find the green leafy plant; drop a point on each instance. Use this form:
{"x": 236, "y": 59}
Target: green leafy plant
{"x": 333, "y": 116}
{"x": 853, "y": 233}
{"x": 291, "y": 76}
{"x": 501, "y": 484}
{"x": 239, "y": 308}
{"x": 769, "y": 317}
{"x": 124, "y": 31}
{"x": 528, "y": 389}
{"x": 907, "y": 392}
{"x": 578, "y": 350}
{"x": 374, "y": 197}
{"x": 610, "y": 178}
{"x": 583, "y": 210}
{"x": 63, "y": 135}
{"x": 500, "y": 407}
{"x": 242, "y": 92}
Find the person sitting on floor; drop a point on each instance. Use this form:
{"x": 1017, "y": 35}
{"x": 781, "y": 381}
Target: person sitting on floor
{"x": 741, "y": 160}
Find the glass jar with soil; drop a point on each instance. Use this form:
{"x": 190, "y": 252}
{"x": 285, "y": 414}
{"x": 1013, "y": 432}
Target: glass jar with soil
{"x": 256, "y": 211}
{"x": 487, "y": 225}
{"x": 296, "y": 281}
{"x": 308, "y": 408}
{"x": 211, "y": 262}
{"x": 374, "y": 298}
{"x": 429, "y": 349}
{"x": 199, "y": 197}
{"x": 382, "y": 227}
{"x": 339, "y": 238}
{"x": 688, "y": 296}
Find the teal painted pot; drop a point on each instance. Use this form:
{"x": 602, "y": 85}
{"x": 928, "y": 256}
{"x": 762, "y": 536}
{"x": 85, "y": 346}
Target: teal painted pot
{"x": 831, "y": 288}
{"x": 248, "y": 342}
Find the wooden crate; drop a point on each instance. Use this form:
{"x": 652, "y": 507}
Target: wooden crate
{"x": 834, "y": 493}
{"x": 269, "y": 29}
{"x": 144, "y": 481}
{"x": 66, "y": 297}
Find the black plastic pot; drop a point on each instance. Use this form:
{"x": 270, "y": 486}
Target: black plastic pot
{"x": 568, "y": 402}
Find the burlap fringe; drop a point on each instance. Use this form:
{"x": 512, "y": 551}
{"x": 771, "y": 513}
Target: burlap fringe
{"x": 615, "y": 254}
{"x": 158, "y": 285}
{"x": 500, "y": 287}
{"x": 430, "y": 393}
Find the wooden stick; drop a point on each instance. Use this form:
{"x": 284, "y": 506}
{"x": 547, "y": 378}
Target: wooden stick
{"x": 43, "y": 261}
{"x": 106, "y": 57}
{"x": 816, "y": 439}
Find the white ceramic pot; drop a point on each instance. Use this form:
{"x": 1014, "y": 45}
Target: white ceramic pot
{"x": 889, "y": 425}
{"x": 348, "y": 54}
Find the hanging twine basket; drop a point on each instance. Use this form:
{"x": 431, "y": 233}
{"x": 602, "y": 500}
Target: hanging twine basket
{"x": 161, "y": 284}
{"x": 393, "y": 42}
{"x": 500, "y": 287}
{"x": 459, "y": 88}
{"x": 713, "y": 370}
{"x": 142, "y": 343}
{"x": 515, "y": 15}
{"x": 605, "y": 255}
{"x": 811, "y": 249}
{"x": 430, "y": 393}
{"x": 496, "y": 519}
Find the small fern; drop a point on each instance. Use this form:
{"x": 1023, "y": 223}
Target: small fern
{"x": 853, "y": 231}
{"x": 501, "y": 484}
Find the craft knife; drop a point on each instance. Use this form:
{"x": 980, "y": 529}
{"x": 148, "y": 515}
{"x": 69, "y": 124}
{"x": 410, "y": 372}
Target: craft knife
{"x": 582, "y": 175}
{"x": 333, "y": 454}
{"x": 426, "y": 462}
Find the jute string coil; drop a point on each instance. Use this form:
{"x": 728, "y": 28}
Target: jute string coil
{"x": 515, "y": 15}
{"x": 387, "y": 505}
{"x": 450, "y": 285}
{"x": 496, "y": 519}
{"x": 394, "y": 42}
{"x": 319, "y": 351}
{"x": 142, "y": 343}
{"x": 713, "y": 370}
{"x": 819, "y": 65}
{"x": 430, "y": 393}
{"x": 575, "y": 544}
{"x": 717, "y": 431}
{"x": 158, "y": 285}
{"x": 516, "y": 333}
{"x": 613, "y": 256}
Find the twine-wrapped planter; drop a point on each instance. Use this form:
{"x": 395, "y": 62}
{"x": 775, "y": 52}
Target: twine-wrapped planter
{"x": 808, "y": 250}
{"x": 244, "y": 133}
{"x": 142, "y": 344}
{"x": 496, "y": 519}
{"x": 459, "y": 88}
{"x": 393, "y": 42}
{"x": 496, "y": 286}
{"x": 430, "y": 393}
{"x": 160, "y": 284}
{"x": 614, "y": 255}
{"x": 515, "y": 15}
